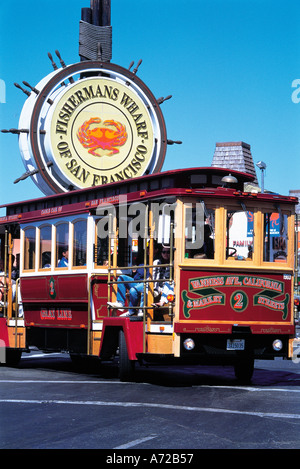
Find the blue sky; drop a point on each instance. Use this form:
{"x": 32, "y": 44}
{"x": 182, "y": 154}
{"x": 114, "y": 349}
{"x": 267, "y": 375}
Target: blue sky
{"x": 229, "y": 65}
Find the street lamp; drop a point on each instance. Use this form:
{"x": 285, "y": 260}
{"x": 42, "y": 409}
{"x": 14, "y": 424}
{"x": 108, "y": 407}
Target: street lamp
{"x": 262, "y": 166}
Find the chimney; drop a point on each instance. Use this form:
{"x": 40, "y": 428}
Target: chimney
{"x": 234, "y": 155}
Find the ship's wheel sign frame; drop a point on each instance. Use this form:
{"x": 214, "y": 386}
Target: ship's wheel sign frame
{"x": 91, "y": 124}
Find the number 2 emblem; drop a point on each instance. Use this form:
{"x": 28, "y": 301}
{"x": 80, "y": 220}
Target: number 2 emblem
{"x": 239, "y": 301}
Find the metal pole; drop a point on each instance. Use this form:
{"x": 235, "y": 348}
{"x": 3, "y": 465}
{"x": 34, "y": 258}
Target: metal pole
{"x": 9, "y": 293}
{"x": 5, "y": 272}
{"x": 145, "y": 275}
{"x": 171, "y": 264}
{"x": 17, "y": 313}
{"x": 89, "y": 317}
{"x": 86, "y": 15}
{"x": 296, "y": 286}
{"x": 100, "y": 12}
{"x": 109, "y": 257}
{"x": 95, "y": 7}
{"x": 105, "y": 12}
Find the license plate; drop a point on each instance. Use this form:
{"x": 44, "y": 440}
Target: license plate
{"x": 235, "y": 344}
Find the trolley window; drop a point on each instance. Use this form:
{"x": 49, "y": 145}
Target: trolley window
{"x": 101, "y": 251}
{"x": 102, "y": 239}
{"x": 45, "y": 247}
{"x": 239, "y": 234}
{"x": 199, "y": 231}
{"x": 29, "y": 248}
{"x": 124, "y": 231}
{"x": 80, "y": 243}
{"x": 275, "y": 237}
{"x": 62, "y": 245}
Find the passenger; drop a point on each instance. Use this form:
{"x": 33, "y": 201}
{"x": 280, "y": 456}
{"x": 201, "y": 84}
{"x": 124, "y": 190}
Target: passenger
{"x": 46, "y": 260}
{"x": 207, "y": 250}
{"x": 156, "y": 251}
{"x": 167, "y": 290}
{"x": 161, "y": 273}
{"x": 163, "y": 289}
{"x": 64, "y": 261}
{"x": 5, "y": 281}
{"x": 136, "y": 288}
{"x": 200, "y": 255}
{"x": 15, "y": 273}
{"x": 208, "y": 246}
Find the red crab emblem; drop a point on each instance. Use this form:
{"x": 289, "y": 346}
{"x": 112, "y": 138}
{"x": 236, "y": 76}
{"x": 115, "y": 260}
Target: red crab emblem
{"x": 112, "y": 135}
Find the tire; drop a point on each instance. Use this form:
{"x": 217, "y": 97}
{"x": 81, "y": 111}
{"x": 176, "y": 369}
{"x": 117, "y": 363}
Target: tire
{"x": 13, "y": 357}
{"x": 126, "y": 366}
{"x": 78, "y": 361}
{"x": 243, "y": 369}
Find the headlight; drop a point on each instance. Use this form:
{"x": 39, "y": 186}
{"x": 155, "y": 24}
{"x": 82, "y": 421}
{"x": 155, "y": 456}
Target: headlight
{"x": 189, "y": 344}
{"x": 277, "y": 345}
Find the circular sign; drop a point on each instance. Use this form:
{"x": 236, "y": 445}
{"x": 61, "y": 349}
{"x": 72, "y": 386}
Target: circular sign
{"x": 239, "y": 301}
{"x": 100, "y": 132}
{"x": 94, "y": 128}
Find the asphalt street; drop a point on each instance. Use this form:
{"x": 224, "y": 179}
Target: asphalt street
{"x": 49, "y": 403}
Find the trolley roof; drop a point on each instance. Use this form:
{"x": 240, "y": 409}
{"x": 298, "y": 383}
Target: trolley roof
{"x": 200, "y": 182}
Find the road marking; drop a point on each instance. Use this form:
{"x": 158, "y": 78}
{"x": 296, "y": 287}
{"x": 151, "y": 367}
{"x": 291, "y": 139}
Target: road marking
{"x": 122, "y": 383}
{"x": 44, "y": 381}
{"x": 152, "y": 405}
{"x": 135, "y": 442}
{"x": 250, "y": 389}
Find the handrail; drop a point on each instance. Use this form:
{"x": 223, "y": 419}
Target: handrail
{"x": 5, "y": 273}
{"x": 16, "y": 313}
{"x": 89, "y": 316}
{"x": 7, "y": 287}
{"x": 146, "y": 281}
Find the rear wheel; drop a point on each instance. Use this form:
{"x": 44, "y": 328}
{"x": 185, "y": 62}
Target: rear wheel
{"x": 243, "y": 369}
{"x": 126, "y": 366}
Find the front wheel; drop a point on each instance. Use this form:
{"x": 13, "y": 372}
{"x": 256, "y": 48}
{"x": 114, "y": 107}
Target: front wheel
{"x": 126, "y": 366}
{"x": 243, "y": 369}
{"x": 13, "y": 357}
